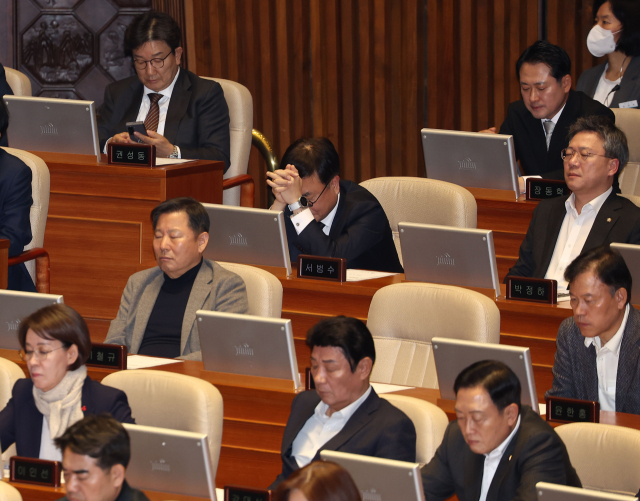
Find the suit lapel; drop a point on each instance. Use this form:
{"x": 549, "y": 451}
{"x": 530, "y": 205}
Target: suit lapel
{"x": 199, "y": 294}
{"x": 341, "y": 215}
{"x": 629, "y": 355}
{"x": 298, "y": 420}
{"x": 177, "y": 106}
{"x": 559, "y": 136}
{"x": 503, "y": 467}
{"x": 604, "y": 223}
{"x": 473, "y": 468}
{"x": 538, "y": 145}
{"x": 145, "y": 306}
{"x": 628, "y": 85}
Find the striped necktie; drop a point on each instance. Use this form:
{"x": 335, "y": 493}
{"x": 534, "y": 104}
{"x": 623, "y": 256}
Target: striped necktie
{"x": 548, "y": 127}
{"x": 153, "y": 117}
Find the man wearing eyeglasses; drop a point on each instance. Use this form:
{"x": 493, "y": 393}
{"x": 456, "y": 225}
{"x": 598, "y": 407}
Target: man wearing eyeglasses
{"x": 327, "y": 216}
{"x": 184, "y": 115}
{"x": 593, "y": 215}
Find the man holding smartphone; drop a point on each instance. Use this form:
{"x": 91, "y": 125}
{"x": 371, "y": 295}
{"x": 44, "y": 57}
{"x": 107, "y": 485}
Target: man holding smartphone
{"x": 184, "y": 115}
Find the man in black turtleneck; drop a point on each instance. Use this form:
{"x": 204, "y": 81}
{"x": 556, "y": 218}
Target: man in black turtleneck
{"x": 158, "y": 308}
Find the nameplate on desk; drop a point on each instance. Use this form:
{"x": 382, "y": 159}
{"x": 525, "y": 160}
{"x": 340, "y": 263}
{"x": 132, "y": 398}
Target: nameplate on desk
{"x": 108, "y": 356}
{"x": 571, "y": 410}
{"x": 322, "y": 268}
{"x": 134, "y": 155}
{"x": 539, "y": 290}
{"x": 35, "y": 471}
{"x": 541, "y": 189}
{"x": 237, "y": 493}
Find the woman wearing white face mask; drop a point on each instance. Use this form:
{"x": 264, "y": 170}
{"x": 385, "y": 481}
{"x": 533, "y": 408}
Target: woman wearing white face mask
{"x": 616, "y": 35}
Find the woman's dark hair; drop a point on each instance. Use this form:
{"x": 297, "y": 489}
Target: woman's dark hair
{"x": 320, "y": 481}
{"x": 311, "y": 155}
{"x": 197, "y": 214}
{"x": 151, "y": 26}
{"x": 545, "y": 52}
{"x": 349, "y": 334}
{"x": 499, "y": 380}
{"x": 61, "y": 322}
{"x": 628, "y": 13}
{"x": 607, "y": 264}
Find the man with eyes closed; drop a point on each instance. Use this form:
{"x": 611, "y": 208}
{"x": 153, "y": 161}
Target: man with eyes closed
{"x": 157, "y": 314}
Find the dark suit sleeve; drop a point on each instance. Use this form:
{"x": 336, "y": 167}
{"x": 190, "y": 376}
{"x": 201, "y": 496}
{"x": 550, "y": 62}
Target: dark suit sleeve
{"x": 634, "y": 235}
{"x": 15, "y": 224}
{"x": 563, "y": 384}
{"x": 120, "y": 409}
{"x": 398, "y": 441}
{"x": 437, "y": 480}
{"x": 525, "y": 265}
{"x": 7, "y": 428}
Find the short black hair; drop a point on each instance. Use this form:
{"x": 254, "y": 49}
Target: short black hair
{"x": 100, "y": 437}
{"x": 545, "y": 52}
{"x": 310, "y": 155}
{"x": 4, "y": 117}
{"x": 497, "y": 378}
{"x": 607, "y": 264}
{"x": 152, "y": 26}
{"x": 628, "y": 13}
{"x": 349, "y": 334}
{"x": 198, "y": 217}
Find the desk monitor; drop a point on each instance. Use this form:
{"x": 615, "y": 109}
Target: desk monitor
{"x": 248, "y": 345}
{"x": 14, "y": 306}
{"x": 247, "y": 236}
{"x": 553, "y": 492}
{"x": 449, "y": 255}
{"x": 471, "y": 159}
{"x": 49, "y": 124}
{"x": 380, "y": 479}
{"x": 631, "y": 255}
{"x": 171, "y": 461}
{"x": 454, "y": 355}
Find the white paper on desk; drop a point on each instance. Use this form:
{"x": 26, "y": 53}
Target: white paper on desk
{"x": 219, "y": 494}
{"x": 389, "y": 388}
{"x": 172, "y": 161}
{"x": 143, "y": 362}
{"x": 543, "y": 409}
{"x": 358, "y": 275}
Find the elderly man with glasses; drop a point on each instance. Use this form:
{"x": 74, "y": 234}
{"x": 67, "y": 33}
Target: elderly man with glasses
{"x": 184, "y": 115}
{"x": 327, "y": 216}
{"x": 593, "y": 215}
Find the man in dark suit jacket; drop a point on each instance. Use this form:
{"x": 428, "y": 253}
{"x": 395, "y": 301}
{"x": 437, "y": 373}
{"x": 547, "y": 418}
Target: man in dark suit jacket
{"x": 495, "y": 450}
{"x": 343, "y": 413}
{"x": 5, "y": 89}
{"x": 617, "y": 220}
{"x": 326, "y": 216}
{"x": 191, "y": 117}
{"x": 598, "y": 349}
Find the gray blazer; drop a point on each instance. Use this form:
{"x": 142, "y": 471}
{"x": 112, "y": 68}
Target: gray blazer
{"x": 629, "y": 86}
{"x": 215, "y": 289}
{"x": 575, "y": 373}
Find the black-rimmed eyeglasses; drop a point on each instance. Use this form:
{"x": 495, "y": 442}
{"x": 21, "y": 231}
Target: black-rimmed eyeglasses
{"x": 569, "y": 153}
{"x": 156, "y": 62}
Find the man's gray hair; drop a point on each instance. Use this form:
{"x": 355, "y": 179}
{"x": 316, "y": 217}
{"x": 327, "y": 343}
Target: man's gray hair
{"x": 615, "y": 141}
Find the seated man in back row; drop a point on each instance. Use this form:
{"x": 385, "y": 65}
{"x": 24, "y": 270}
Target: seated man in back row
{"x": 157, "y": 314}
{"x": 563, "y": 227}
{"x": 343, "y": 413}
{"x": 327, "y": 216}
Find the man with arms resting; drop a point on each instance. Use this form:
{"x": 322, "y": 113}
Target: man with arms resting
{"x": 185, "y": 116}
{"x": 563, "y": 227}
{"x": 496, "y": 450}
{"x": 598, "y": 349}
{"x": 95, "y": 455}
{"x": 327, "y": 216}
{"x": 343, "y": 413}
{"x": 157, "y": 314}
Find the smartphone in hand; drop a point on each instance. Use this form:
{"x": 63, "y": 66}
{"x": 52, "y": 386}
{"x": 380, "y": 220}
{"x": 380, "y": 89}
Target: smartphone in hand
{"x": 136, "y": 127}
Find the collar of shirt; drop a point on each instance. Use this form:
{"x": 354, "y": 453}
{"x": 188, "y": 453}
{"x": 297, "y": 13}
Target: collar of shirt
{"x": 166, "y": 93}
{"x": 554, "y": 119}
{"x": 343, "y": 414}
{"x": 595, "y": 204}
{"x": 499, "y": 451}
{"x": 614, "y": 343}
{"x": 328, "y": 221}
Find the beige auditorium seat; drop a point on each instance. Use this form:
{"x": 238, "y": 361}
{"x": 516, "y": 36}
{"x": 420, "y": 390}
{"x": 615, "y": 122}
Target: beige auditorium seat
{"x": 240, "y": 105}
{"x": 606, "y": 457}
{"x": 264, "y": 290}
{"x": 9, "y": 492}
{"x": 403, "y": 318}
{"x": 422, "y": 200}
{"x": 430, "y": 422}
{"x": 40, "y": 189}
{"x": 173, "y": 401}
{"x": 10, "y": 372}
{"x": 628, "y": 120}
{"x": 18, "y": 81}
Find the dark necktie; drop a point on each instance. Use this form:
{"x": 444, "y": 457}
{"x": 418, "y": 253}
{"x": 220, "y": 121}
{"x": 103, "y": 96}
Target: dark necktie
{"x": 153, "y": 117}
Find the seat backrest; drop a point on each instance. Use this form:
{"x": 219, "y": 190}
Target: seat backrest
{"x": 174, "y": 401}
{"x": 430, "y": 422}
{"x": 40, "y": 189}
{"x": 629, "y": 179}
{"x": 422, "y": 200}
{"x": 240, "y": 105}
{"x": 628, "y": 120}
{"x": 604, "y": 456}
{"x": 9, "y": 492}
{"x": 264, "y": 290}
{"x": 18, "y": 81}
{"x": 10, "y": 372}
{"x": 403, "y": 318}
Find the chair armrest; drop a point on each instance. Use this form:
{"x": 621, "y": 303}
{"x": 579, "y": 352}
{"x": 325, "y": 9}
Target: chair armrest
{"x": 245, "y": 181}
{"x": 42, "y": 266}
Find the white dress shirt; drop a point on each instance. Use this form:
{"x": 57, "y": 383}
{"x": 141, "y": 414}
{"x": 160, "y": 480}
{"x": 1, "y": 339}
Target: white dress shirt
{"x": 48, "y": 450}
{"x": 302, "y": 219}
{"x": 491, "y": 462}
{"x": 607, "y": 357}
{"x": 573, "y": 234}
{"x": 320, "y": 428}
{"x": 605, "y": 86}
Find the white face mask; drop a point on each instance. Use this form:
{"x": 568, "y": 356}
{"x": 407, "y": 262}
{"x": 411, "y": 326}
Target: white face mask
{"x": 600, "y": 41}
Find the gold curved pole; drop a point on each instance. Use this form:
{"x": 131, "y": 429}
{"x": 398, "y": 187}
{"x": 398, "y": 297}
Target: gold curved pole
{"x": 259, "y": 140}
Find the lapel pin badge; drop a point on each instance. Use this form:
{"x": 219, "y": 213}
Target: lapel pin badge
{"x": 608, "y": 220}
{"x": 510, "y": 458}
